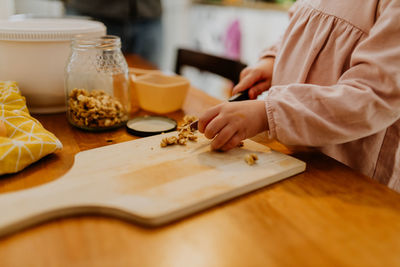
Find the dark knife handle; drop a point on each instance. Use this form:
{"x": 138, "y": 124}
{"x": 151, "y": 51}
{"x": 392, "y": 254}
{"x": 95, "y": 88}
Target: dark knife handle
{"x": 194, "y": 125}
{"x": 244, "y": 95}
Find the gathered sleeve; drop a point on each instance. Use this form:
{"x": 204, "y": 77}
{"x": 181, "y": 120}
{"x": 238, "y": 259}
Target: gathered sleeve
{"x": 364, "y": 101}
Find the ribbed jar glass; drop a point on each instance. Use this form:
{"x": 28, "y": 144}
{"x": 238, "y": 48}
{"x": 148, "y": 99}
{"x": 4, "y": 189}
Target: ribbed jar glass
{"x": 97, "y": 84}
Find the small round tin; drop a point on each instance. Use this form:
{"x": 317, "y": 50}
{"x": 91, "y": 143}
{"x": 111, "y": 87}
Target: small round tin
{"x": 150, "y": 125}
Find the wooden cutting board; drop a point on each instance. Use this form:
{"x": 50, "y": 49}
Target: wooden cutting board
{"x": 142, "y": 182}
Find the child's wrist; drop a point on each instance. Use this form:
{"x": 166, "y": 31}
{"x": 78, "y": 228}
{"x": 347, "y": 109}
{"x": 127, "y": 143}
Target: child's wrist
{"x": 262, "y": 116}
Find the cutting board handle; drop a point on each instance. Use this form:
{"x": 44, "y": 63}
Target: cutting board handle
{"x": 33, "y": 206}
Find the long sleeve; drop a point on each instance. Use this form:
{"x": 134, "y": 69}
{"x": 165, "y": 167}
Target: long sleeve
{"x": 364, "y": 100}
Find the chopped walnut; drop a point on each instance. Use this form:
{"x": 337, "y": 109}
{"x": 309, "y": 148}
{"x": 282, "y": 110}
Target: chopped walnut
{"x": 168, "y": 141}
{"x": 251, "y": 158}
{"x": 184, "y": 133}
{"x": 164, "y": 143}
{"x": 182, "y": 141}
{"x": 188, "y": 119}
{"x": 172, "y": 140}
{"x": 192, "y": 137}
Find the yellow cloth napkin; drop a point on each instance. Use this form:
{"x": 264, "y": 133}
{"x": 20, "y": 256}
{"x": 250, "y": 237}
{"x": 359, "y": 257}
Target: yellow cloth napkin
{"x": 26, "y": 140}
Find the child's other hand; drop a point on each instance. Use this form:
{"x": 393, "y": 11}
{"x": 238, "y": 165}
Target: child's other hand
{"x": 233, "y": 122}
{"x": 257, "y": 78}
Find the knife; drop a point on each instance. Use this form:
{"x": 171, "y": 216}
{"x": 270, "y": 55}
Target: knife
{"x": 244, "y": 95}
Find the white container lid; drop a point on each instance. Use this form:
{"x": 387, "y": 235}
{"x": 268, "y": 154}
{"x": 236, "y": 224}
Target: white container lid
{"x": 48, "y": 29}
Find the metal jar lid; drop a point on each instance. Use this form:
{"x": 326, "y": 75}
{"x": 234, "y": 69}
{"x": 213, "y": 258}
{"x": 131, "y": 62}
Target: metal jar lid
{"x": 150, "y": 125}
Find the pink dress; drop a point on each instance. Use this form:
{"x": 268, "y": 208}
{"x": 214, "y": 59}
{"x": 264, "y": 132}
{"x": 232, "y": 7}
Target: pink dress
{"x": 336, "y": 84}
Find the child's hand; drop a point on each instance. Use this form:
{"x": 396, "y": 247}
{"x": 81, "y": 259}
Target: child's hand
{"x": 233, "y": 122}
{"x": 257, "y": 78}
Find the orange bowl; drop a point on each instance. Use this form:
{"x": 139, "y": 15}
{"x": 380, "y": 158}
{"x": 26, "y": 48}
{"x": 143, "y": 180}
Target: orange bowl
{"x": 160, "y": 93}
{"x": 139, "y": 72}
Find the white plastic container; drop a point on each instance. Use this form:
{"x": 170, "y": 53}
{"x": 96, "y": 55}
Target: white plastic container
{"x": 34, "y": 53}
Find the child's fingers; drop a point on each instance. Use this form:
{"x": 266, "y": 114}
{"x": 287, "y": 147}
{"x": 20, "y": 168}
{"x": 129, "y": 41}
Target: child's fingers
{"x": 244, "y": 72}
{"x": 247, "y": 82}
{"x": 232, "y": 142}
{"x": 214, "y": 127}
{"x": 258, "y": 89}
{"x": 223, "y": 136}
{"x": 206, "y": 117}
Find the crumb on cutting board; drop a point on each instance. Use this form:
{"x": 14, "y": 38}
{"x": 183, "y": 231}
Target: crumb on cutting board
{"x": 250, "y": 158}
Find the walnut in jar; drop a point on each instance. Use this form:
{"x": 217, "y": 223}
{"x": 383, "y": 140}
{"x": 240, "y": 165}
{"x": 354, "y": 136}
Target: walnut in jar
{"x": 94, "y": 109}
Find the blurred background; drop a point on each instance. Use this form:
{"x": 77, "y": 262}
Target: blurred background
{"x": 238, "y": 29}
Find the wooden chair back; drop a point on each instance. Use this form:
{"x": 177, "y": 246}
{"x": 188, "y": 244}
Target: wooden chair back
{"x": 221, "y": 66}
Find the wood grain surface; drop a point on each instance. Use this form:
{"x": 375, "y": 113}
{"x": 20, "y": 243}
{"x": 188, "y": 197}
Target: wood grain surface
{"x": 326, "y": 216}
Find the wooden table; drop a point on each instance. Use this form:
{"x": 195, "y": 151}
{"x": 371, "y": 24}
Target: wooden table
{"x": 326, "y": 216}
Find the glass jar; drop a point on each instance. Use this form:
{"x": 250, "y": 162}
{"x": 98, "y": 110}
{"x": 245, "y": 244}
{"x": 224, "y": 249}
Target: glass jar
{"x": 97, "y": 84}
